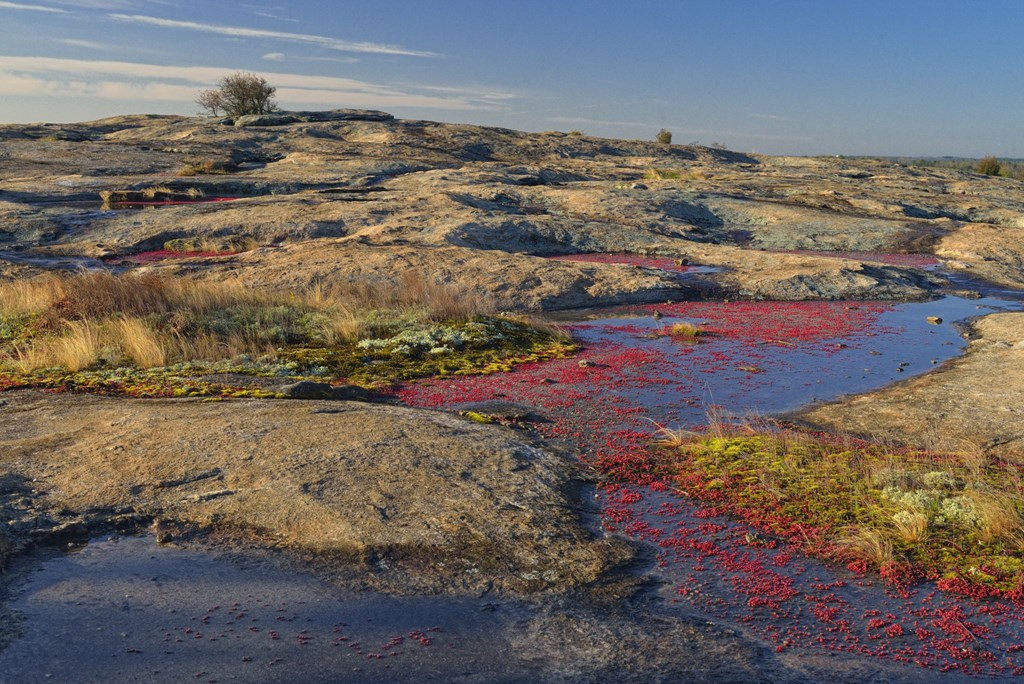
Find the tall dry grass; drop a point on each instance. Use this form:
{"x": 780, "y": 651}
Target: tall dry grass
{"x": 100, "y": 294}
{"x": 999, "y": 517}
{"x": 141, "y": 343}
{"x": 151, "y": 320}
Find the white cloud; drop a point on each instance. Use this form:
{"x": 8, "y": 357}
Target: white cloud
{"x": 135, "y": 81}
{"x": 88, "y": 44}
{"x": 31, "y": 8}
{"x": 240, "y": 32}
{"x": 274, "y": 57}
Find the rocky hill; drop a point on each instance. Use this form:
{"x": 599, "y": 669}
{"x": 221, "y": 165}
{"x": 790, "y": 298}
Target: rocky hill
{"x": 354, "y": 194}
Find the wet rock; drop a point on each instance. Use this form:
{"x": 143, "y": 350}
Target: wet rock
{"x": 504, "y": 412}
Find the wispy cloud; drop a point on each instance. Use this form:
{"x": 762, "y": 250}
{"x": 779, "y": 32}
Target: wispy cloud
{"x": 87, "y": 44}
{"x": 282, "y": 57}
{"x": 108, "y": 5}
{"x": 767, "y": 117}
{"x": 276, "y": 17}
{"x": 111, "y": 5}
{"x": 241, "y": 32}
{"x": 136, "y": 81}
{"x": 31, "y": 8}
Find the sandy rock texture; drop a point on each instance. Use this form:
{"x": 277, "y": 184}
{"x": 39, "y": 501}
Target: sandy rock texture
{"x": 972, "y": 402}
{"x": 400, "y": 497}
{"x": 355, "y": 193}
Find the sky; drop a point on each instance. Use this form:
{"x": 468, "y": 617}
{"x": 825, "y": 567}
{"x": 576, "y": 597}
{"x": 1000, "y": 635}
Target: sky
{"x": 893, "y": 77}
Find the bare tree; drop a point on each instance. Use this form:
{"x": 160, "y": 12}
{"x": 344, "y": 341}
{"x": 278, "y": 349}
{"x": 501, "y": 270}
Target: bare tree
{"x": 210, "y": 101}
{"x": 239, "y": 94}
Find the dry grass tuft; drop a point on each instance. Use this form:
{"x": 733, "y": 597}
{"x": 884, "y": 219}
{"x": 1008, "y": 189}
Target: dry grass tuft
{"x": 673, "y": 438}
{"x": 76, "y": 350}
{"x": 999, "y": 518}
{"x": 911, "y": 526}
{"x": 867, "y": 544}
{"x": 141, "y": 343}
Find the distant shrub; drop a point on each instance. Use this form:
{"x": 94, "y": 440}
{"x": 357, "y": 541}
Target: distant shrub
{"x": 238, "y": 95}
{"x": 989, "y": 166}
{"x": 663, "y": 174}
{"x": 575, "y": 133}
{"x": 196, "y": 167}
{"x": 664, "y": 137}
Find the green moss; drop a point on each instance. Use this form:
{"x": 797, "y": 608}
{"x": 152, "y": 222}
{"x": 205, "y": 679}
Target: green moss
{"x": 16, "y": 328}
{"x": 486, "y": 346}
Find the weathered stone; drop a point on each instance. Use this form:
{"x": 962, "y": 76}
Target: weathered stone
{"x": 356, "y": 485}
{"x": 265, "y": 120}
{"x": 343, "y": 115}
{"x": 307, "y": 389}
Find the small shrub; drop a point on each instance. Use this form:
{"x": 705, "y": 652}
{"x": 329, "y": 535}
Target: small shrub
{"x": 989, "y": 166}
{"x": 206, "y": 167}
{"x": 664, "y": 137}
{"x": 575, "y": 133}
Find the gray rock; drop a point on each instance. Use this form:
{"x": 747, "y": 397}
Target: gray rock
{"x": 265, "y": 120}
{"x": 343, "y": 115}
{"x": 307, "y": 389}
{"x": 351, "y": 393}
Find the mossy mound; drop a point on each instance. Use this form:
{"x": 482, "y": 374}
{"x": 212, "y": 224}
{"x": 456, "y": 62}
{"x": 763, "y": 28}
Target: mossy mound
{"x": 412, "y": 350}
{"x": 910, "y": 514}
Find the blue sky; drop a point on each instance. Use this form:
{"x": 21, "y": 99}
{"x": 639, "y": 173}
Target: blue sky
{"x": 910, "y": 77}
